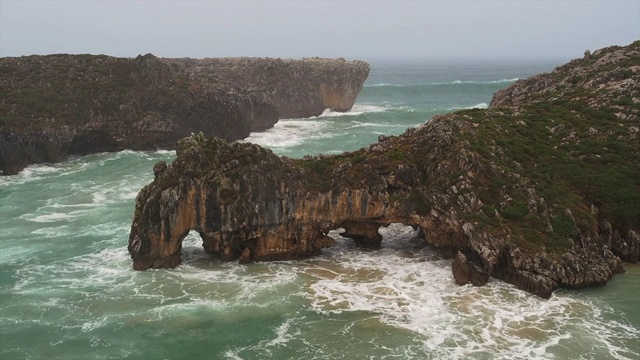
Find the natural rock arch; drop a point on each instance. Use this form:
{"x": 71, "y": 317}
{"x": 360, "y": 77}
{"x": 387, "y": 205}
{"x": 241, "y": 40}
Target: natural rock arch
{"x": 249, "y": 204}
{"x": 507, "y": 192}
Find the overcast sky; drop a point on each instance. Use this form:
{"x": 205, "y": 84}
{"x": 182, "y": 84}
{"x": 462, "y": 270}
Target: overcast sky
{"x": 351, "y": 29}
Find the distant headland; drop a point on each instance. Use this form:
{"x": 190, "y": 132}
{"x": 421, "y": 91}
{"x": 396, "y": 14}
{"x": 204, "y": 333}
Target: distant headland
{"x": 58, "y": 105}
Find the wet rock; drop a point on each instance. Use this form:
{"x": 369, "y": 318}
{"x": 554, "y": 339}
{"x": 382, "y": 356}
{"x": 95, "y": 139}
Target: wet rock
{"x": 365, "y": 234}
{"x": 158, "y": 168}
{"x": 466, "y": 273}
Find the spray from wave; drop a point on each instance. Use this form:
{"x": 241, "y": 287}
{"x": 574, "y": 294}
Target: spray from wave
{"x": 455, "y": 82}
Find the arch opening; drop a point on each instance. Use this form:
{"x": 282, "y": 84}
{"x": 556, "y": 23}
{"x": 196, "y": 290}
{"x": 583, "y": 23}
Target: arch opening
{"x": 192, "y": 247}
{"x": 400, "y": 236}
{"x": 407, "y": 239}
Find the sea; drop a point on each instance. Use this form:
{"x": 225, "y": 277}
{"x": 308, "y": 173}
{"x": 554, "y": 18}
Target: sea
{"x": 68, "y": 290}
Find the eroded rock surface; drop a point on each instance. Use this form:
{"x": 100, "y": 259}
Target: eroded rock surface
{"x": 57, "y": 105}
{"x": 520, "y": 192}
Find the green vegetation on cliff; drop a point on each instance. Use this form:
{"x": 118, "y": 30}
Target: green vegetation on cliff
{"x": 542, "y": 189}
{"x": 64, "y": 89}
{"x": 63, "y": 104}
{"x": 547, "y": 166}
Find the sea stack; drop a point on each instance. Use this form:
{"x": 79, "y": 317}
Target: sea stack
{"x": 540, "y": 190}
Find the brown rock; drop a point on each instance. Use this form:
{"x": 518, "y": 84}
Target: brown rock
{"x": 456, "y": 178}
{"x": 464, "y": 272}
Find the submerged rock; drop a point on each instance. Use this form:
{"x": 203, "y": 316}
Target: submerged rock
{"x": 493, "y": 188}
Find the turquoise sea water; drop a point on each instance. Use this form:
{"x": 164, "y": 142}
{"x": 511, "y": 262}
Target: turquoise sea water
{"x": 67, "y": 290}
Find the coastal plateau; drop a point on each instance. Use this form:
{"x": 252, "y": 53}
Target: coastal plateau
{"x": 541, "y": 190}
{"x": 58, "y": 105}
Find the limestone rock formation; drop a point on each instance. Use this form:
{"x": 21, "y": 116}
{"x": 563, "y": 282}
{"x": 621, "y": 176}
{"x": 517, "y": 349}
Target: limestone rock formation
{"x": 57, "y": 105}
{"x": 539, "y": 190}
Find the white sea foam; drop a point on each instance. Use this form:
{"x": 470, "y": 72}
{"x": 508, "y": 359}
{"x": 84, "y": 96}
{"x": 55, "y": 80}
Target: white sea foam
{"x": 357, "y": 109}
{"x": 233, "y": 283}
{"x": 360, "y": 124}
{"x": 476, "y": 106}
{"x": 30, "y": 173}
{"x": 455, "y": 82}
{"x": 417, "y": 293}
{"x": 57, "y": 205}
{"x": 479, "y": 82}
{"x": 94, "y": 324}
{"x": 165, "y": 152}
{"x": 265, "y": 347}
{"x": 129, "y": 196}
{"x": 36, "y": 170}
{"x": 16, "y": 254}
{"x": 289, "y": 133}
{"x": 50, "y": 217}
{"x": 99, "y": 197}
{"x": 52, "y": 232}
{"x": 293, "y": 132}
{"x": 401, "y": 286}
{"x": 232, "y": 354}
{"x": 384, "y": 84}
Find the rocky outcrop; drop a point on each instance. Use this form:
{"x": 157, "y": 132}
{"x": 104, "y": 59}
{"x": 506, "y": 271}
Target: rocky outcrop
{"x": 517, "y": 193}
{"x": 611, "y": 69}
{"x": 57, "y": 105}
{"x": 296, "y": 88}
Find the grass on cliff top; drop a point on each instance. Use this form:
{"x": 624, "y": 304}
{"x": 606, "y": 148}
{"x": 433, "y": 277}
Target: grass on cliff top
{"x": 321, "y": 168}
{"x": 573, "y": 155}
{"x": 69, "y": 89}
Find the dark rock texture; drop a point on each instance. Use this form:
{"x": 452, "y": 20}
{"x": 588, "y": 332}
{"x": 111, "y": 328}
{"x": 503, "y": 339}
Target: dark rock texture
{"x": 541, "y": 191}
{"x": 57, "y": 105}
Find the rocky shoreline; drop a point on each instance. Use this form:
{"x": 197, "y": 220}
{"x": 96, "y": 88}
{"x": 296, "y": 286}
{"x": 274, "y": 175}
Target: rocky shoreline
{"x": 540, "y": 190}
{"x": 59, "y": 105}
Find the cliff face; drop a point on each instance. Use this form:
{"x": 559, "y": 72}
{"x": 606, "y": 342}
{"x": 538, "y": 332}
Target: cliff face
{"x": 57, "y": 105}
{"x": 540, "y": 191}
{"x": 296, "y": 88}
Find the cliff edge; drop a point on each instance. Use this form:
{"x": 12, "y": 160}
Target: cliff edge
{"x": 541, "y": 190}
{"x": 57, "y": 105}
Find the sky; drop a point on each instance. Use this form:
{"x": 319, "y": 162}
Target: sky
{"x": 351, "y": 29}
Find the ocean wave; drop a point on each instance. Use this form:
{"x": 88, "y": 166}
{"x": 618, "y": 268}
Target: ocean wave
{"x": 482, "y": 105}
{"x": 455, "y": 82}
{"x": 164, "y": 152}
{"x": 358, "y": 124}
{"x": 414, "y": 290}
{"x": 478, "y": 106}
{"x": 289, "y": 133}
{"x": 385, "y": 84}
{"x": 356, "y": 110}
{"x": 480, "y": 82}
{"x": 30, "y": 173}
{"x": 50, "y": 217}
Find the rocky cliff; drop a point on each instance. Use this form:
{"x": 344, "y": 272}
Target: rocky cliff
{"x": 541, "y": 190}
{"x": 56, "y": 105}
